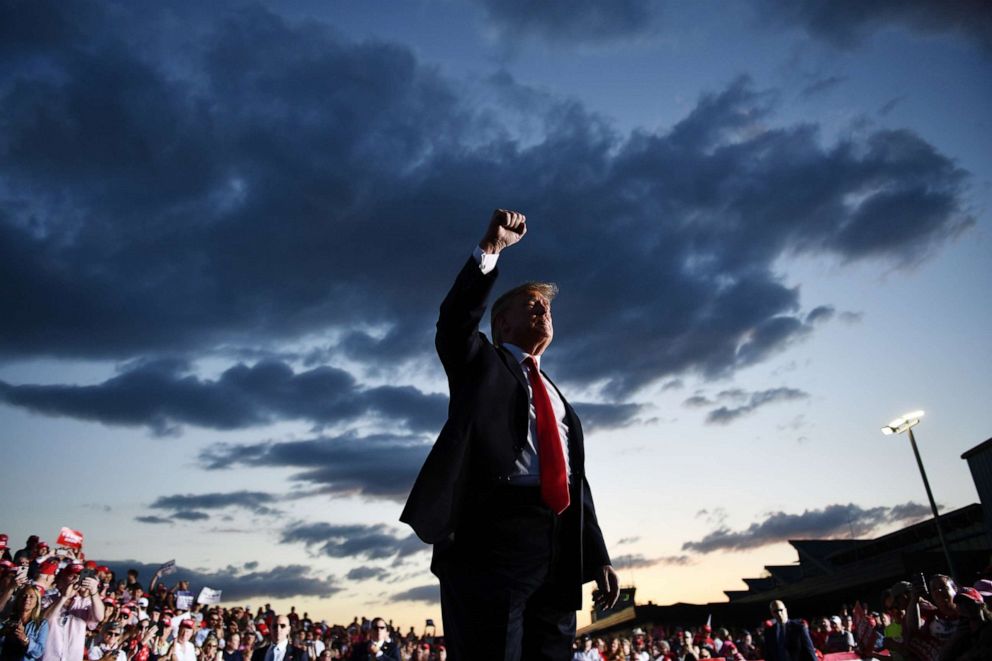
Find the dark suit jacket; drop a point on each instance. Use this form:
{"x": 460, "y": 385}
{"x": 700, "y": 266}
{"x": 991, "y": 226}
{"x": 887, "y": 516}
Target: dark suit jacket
{"x": 797, "y": 644}
{"x": 292, "y": 654}
{"x": 486, "y": 428}
{"x": 390, "y": 652}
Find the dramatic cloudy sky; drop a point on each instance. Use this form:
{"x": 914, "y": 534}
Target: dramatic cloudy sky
{"x": 225, "y": 229}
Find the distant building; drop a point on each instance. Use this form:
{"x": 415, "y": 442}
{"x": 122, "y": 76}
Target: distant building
{"x": 832, "y": 572}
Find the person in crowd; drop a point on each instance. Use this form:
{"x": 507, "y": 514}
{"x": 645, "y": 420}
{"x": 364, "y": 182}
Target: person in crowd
{"x": 839, "y": 639}
{"x": 210, "y": 650}
{"x": 930, "y": 625}
{"x": 379, "y": 645}
{"x": 639, "y": 649}
{"x": 974, "y": 641}
{"x": 214, "y": 627}
{"x": 587, "y": 652}
{"x": 5, "y": 550}
{"x": 182, "y": 648}
{"x": 280, "y": 647}
{"x": 109, "y": 647}
{"x": 25, "y": 632}
{"x": 785, "y": 639}
{"x": 232, "y": 648}
{"x": 78, "y": 608}
{"x": 747, "y": 648}
{"x": 688, "y": 650}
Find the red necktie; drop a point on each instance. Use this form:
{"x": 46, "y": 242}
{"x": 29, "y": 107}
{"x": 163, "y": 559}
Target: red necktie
{"x": 554, "y": 481}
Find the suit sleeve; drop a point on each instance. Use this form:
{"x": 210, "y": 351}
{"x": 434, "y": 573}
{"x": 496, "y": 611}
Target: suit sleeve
{"x": 458, "y": 339}
{"x": 432, "y": 505}
{"x": 808, "y": 651}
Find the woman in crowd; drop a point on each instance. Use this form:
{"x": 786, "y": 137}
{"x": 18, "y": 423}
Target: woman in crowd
{"x": 25, "y": 631}
{"x": 158, "y": 642}
{"x": 209, "y": 650}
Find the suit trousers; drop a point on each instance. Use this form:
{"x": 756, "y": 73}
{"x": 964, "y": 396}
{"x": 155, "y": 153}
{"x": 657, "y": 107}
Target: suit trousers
{"x": 498, "y": 579}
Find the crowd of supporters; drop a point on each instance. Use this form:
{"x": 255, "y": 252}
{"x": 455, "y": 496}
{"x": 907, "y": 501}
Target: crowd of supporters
{"x": 931, "y": 620}
{"x": 56, "y": 606}
{"x": 61, "y": 607}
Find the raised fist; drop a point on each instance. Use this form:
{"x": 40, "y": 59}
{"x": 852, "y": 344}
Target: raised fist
{"x": 505, "y": 229}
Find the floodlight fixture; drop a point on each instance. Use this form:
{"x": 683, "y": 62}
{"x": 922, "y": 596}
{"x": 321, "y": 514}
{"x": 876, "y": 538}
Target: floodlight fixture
{"x": 903, "y": 423}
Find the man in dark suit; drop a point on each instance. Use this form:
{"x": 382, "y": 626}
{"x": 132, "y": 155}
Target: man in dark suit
{"x": 379, "y": 647}
{"x": 502, "y": 495}
{"x": 785, "y": 639}
{"x": 280, "y": 649}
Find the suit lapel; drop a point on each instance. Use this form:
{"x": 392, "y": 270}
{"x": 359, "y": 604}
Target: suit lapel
{"x": 513, "y": 366}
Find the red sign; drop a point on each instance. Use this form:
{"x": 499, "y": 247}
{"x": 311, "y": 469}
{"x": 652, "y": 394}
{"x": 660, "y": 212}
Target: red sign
{"x": 71, "y": 538}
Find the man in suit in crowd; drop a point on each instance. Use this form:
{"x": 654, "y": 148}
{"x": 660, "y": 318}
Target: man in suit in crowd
{"x": 379, "y": 647}
{"x": 280, "y": 649}
{"x": 785, "y": 639}
{"x": 502, "y": 495}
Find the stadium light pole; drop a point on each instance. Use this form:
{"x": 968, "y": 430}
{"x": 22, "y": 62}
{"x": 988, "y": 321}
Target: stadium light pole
{"x": 905, "y": 423}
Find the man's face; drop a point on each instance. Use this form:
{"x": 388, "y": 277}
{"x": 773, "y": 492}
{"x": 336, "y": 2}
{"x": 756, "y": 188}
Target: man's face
{"x": 526, "y": 322}
{"x": 379, "y": 630}
{"x": 777, "y": 609}
{"x": 835, "y": 626}
{"x": 282, "y": 628}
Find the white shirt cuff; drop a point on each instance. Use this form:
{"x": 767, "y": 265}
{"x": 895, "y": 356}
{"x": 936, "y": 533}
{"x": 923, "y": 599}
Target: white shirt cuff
{"x": 486, "y": 261}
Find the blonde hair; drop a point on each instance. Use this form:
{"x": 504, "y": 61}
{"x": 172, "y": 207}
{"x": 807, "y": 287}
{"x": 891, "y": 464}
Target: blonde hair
{"x": 546, "y": 289}
{"x": 36, "y": 611}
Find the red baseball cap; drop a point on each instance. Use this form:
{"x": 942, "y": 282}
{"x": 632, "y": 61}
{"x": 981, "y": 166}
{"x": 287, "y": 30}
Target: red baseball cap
{"x": 970, "y": 593}
{"x": 49, "y": 567}
{"x": 73, "y": 568}
{"x": 186, "y": 624}
{"x": 91, "y": 564}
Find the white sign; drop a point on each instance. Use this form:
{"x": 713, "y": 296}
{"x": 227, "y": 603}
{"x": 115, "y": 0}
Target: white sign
{"x": 184, "y": 600}
{"x": 209, "y": 596}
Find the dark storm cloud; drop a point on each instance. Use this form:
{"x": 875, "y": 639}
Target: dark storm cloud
{"x": 820, "y": 314}
{"x": 153, "y": 519}
{"x": 254, "y": 501}
{"x": 376, "y": 466}
{"x": 572, "y": 22}
{"x": 429, "y": 594}
{"x": 725, "y": 415}
{"x": 364, "y": 573}
{"x": 267, "y": 181}
{"x": 353, "y": 541}
{"x": 163, "y": 396}
{"x": 638, "y": 561}
{"x": 190, "y": 515}
{"x": 238, "y": 584}
{"x": 831, "y": 521}
{"x": 847, "y": 23}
